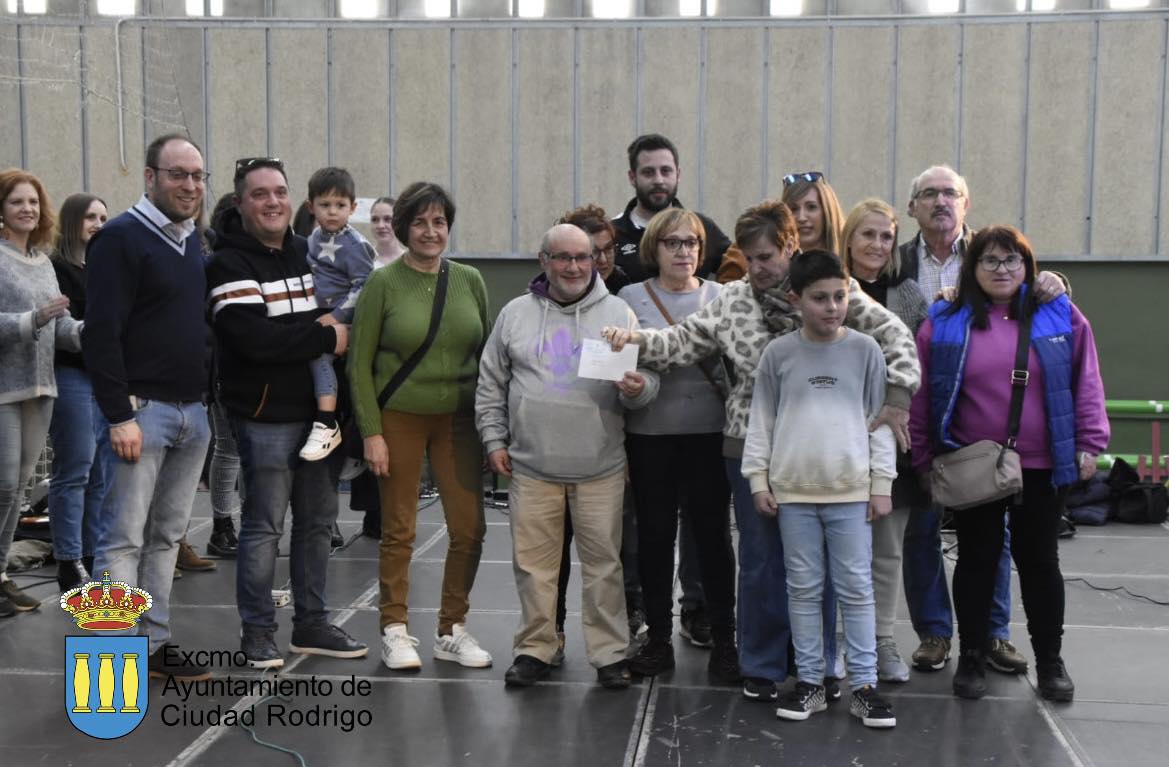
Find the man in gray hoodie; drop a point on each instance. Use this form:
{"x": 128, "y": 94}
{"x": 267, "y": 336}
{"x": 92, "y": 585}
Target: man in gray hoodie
{"x": 561, "y": 437}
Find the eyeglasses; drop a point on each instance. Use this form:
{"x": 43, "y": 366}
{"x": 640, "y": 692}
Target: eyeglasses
{"x": 929, "y": 193}
{"x": 564, "y": 259}
{"x": 178, "y": 175}
{"x": 1013, "y": 263}
{"x": 605, "y": 252}
{"x": 248, "y": 164}
{"x": 674, "y": 245}
{"x": 809, "y": 176}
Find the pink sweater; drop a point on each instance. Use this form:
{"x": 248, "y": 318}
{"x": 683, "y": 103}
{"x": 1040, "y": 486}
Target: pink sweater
{"x": 985, "y": 395}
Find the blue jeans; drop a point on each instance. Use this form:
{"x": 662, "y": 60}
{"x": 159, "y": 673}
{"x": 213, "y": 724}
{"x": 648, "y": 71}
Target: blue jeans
{"x": 149, "y": 503}
{"x": 805, "y": 529}
{"x": 275, "y": 477}
{"x": 78, "y": 485}
{"x": 223, "y": 473}
{"x": 764, "y": 629}
{"x": 924, "y": 573}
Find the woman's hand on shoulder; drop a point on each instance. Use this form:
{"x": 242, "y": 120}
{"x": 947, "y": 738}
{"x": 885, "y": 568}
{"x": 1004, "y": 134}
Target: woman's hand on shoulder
{"x": 1048, "y": 287}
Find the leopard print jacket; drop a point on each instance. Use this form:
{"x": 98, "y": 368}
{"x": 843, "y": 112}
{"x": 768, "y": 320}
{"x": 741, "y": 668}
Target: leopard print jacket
{"x": 732, "y": 325}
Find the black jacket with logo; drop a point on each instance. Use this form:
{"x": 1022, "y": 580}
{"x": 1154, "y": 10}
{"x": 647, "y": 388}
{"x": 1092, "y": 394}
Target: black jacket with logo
{"x": 629, "y": 244}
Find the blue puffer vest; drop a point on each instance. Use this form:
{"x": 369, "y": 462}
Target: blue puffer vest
{"x": 1051, "y": 338}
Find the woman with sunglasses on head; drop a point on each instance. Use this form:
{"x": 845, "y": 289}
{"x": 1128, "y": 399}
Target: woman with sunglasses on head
{"x": 871, "y": 257}
{"x": 429, "y": 412}
{"x": 817, "y": 211}
{"x": 739, "y": 324}
{"x": 968, "y": 354}
{"x": 34, "y": 322}
{"x": 675, "y": 452}
{"x": 77, "y": 486}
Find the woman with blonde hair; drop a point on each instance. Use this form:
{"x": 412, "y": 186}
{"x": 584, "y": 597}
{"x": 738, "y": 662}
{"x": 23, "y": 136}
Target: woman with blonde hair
{"x": 34, "y": 321}
{"x": 870, "y": 256}
{"x": 819, "y": 217}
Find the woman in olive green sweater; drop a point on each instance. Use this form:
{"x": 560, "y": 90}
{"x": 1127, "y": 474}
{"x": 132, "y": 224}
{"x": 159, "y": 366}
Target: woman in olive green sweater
{"x": 432, "y": 413}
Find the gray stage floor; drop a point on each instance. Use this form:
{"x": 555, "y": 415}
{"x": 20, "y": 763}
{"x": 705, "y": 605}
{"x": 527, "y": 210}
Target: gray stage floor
{"x": 447, "y": 715}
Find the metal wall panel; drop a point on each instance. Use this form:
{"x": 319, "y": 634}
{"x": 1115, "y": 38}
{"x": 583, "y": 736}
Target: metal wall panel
{"x": 606, "y": 114}
{"x": 926, "y": 132}
{"x": 299, "y": 114}
{"x": 862, "y": 112}
{"x": 422, "y": 107}
{"x": 238, "y": 102}
{"x": 482, "y": 150}
{"x": 993, "y": 124}
{"x": 53, "y": 117}
{"x": 361, "y": 111}
{"x": 670, "y": 99}
{"x": 1059, "y": 137}
{"x": 798, "y": 103}
{"x": 544, "y": 133}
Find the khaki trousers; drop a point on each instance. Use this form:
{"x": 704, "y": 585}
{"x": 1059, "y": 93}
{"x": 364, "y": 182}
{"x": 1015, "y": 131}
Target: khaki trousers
{"x": 537, "y": 531}
{"x": 456, "y": 457}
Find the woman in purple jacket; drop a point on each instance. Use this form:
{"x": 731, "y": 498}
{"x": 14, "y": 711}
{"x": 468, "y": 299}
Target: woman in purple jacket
{"x": 967, "y": 350}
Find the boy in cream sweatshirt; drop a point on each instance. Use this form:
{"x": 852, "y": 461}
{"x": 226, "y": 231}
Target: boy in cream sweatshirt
{"x": 811, "y": 459}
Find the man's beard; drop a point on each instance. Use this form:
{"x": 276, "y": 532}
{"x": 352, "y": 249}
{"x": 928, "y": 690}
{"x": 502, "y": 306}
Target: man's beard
{"x": 646, "y": 201}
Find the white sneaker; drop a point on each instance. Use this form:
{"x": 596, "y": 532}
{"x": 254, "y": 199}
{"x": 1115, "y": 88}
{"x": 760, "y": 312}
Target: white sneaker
{"x": 462, "y": 648}
{"x": 321, "y": 441}
{"x": 398, "y": 651}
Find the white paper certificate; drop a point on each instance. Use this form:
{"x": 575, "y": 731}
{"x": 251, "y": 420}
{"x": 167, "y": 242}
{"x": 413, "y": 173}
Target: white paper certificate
{"x": 598, "y": 360}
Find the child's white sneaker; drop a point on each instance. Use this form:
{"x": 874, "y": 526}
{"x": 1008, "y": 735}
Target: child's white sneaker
{"x": 398, "y": 651}
{"x": 321, "y": 441}
{"x": 462, "y": 648}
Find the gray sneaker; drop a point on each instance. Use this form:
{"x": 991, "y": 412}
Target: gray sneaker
{"x": 326, "y": 639}
{"x": 259, "y": 647}
{"x": 890, "y": 666}
{"x": 21, "y": 602}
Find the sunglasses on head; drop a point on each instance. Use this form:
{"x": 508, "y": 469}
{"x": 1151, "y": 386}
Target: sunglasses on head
{"x": 248, "y": 164}
{"x": 809, "y": 176}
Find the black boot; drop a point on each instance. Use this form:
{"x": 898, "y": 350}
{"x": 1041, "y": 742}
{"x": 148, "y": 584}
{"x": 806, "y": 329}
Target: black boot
{"x": 71, "y": 573}
{"x": 1054, "y": 682}
{"x": 223, "y": 542}
{"x": 970, "y": 677}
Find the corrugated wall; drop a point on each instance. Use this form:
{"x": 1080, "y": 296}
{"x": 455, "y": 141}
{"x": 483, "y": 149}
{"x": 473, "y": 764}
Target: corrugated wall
{"x": 1058, "y": 122}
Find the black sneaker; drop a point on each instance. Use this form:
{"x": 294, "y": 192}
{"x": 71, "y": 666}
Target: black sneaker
{"x": 615, "y": 676}
{"x": 832, "y": 689}
{"x": 259, "y": 646}
{"x": 71, "y": 573}
{"x": 1054, "y": 682}
{"x": 326, "y": 639}
{"x": 655, "y": 657}
{"x": 223, "y": 542}
{"x": 758, "y": 688}
{"x": 723, "y": 664}
{"x": 525, "y": 671}
{"x": 163, "y": 665}
{"x": 801, "y": 702}
{"x": 336, "y": 540}
{"x": 871, "y": 708}
{"x": 970, "y": 677}
{"x": 696, "y": 628}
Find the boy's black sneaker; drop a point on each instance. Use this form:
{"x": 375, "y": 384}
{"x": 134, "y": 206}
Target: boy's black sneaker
{"x": 223, "y": 542}
{"x": 758, "y": 688}
{"x": 970, "y": 677}
{"x": 525, "y": 671}
{"x": 801, "y": 702}
{"x": 871, "y": 708}
{"x": 326, "y": 639}
{"x": 696, "y": 627}
{"x": 175, "y": 665}
{"x": 654, "y": 658}
{"x": 723, "y": 664}
{"x": 1054, "y": 682}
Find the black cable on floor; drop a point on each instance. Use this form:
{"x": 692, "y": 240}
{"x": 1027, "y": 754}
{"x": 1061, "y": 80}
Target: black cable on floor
{"x": 1122, "y": 589}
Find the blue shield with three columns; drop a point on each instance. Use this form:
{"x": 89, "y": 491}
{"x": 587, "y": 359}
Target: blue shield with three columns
{"x": 106, "y": 684}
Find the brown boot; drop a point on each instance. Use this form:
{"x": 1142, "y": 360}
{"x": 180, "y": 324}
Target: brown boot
{"x": 189, "y": 560}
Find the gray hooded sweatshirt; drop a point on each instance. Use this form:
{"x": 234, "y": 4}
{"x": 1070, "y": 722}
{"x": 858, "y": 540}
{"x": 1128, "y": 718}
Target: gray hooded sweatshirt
{"x": 556, "y": 426}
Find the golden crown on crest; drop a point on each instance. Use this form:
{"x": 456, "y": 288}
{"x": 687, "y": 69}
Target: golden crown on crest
{"x": 106, "y": 605}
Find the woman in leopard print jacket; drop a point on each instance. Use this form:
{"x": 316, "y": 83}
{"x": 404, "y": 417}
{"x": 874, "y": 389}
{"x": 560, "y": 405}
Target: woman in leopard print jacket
{"x": 738, "y": 324}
